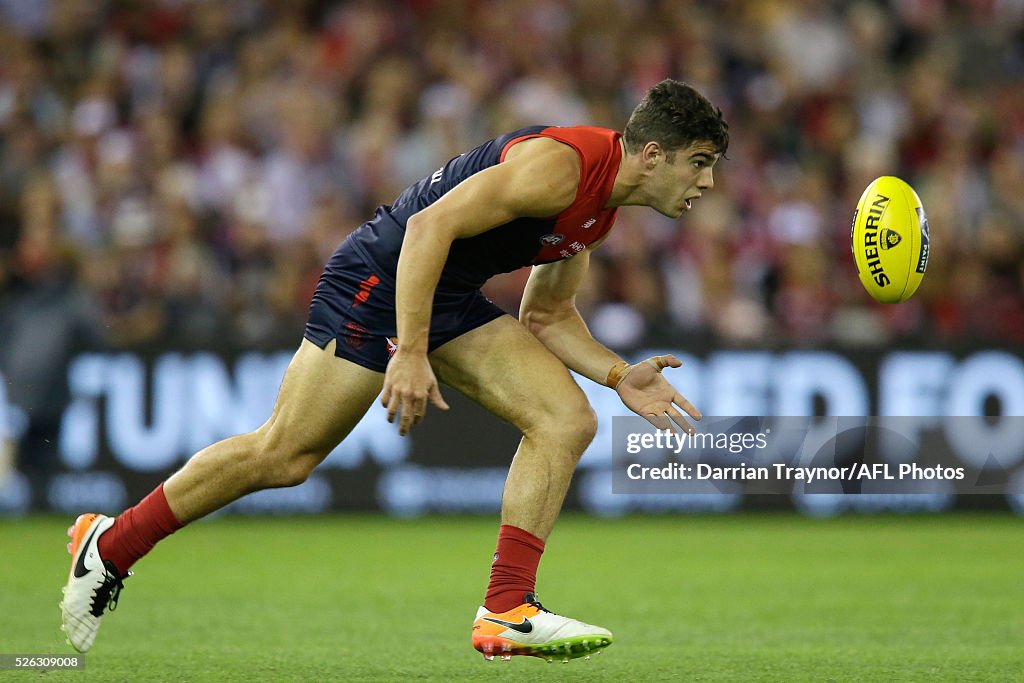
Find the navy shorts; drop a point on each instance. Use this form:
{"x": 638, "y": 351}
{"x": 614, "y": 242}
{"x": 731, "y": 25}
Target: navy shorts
{"x": 356, "y": 305}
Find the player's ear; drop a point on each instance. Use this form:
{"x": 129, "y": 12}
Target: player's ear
{"x": 652, "y": 154}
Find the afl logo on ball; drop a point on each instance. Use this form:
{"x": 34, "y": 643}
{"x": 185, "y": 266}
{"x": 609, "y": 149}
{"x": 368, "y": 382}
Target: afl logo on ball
{"x": 552, "y": 239}
{"x": 889, "y": 238}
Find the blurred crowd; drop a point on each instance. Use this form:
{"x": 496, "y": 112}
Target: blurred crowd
{"x": 177, "y": 171}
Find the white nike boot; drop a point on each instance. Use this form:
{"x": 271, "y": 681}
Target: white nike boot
{"x": 529, "y": 629}
{"x": 93, "y": 584}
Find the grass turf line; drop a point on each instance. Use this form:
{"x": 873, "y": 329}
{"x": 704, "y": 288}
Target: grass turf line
{"x": 364, "y": 598}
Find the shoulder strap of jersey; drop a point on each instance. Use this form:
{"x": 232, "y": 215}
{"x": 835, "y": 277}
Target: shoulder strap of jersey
{"x": 599, "y": 150}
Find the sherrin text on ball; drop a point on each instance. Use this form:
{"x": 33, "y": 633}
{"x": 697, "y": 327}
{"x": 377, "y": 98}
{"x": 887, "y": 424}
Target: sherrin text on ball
{"x": 890, "y": 241}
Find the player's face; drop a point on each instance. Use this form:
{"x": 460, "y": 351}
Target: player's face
{"x": 674, "y": 186}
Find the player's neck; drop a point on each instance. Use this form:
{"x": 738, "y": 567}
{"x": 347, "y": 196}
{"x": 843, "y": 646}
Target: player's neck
{"x": 629, "y": 181}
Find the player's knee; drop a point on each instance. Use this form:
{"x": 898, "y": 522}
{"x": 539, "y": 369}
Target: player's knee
{"x": 295, "y": 471}
{"x": 573, "y": 426}
{"x": 585, "y": 427}
{"x": 282, "y": 462}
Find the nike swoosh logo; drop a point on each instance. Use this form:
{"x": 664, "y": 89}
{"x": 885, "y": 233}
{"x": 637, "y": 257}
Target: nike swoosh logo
{"x": 80, "y": 569}
{"x": 524, "y": 626}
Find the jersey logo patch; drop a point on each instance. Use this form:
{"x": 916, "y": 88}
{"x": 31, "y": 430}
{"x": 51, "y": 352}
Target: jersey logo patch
{"x": 355, "y": 335}
{"x": 552, "y": 239}
{"x": 589, "y": 223}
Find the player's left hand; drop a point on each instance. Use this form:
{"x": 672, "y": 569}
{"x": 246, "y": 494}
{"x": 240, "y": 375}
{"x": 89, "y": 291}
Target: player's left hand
{"x": 409, "y": 383}
{"x": 649, "y": 395}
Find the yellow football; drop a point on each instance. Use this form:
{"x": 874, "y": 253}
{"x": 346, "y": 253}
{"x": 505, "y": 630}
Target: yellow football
{"x": 889, "y": 238}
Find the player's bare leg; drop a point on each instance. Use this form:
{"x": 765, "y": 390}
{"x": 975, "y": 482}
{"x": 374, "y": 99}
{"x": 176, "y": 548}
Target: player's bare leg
{"x": 507, "y": 370}
{"x": 321, "y": 399}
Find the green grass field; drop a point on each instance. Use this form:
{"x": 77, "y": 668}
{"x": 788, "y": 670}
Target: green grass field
{"x": 740, "y": 598}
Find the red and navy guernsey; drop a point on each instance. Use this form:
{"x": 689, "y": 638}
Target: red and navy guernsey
{"x": 518, "y": 243}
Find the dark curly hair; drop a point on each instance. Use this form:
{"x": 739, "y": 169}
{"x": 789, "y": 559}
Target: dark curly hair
{"x": 675, "y": 116}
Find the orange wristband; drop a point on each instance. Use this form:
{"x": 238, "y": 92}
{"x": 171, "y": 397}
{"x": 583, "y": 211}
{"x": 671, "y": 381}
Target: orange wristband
{"x": 617, "y": 374}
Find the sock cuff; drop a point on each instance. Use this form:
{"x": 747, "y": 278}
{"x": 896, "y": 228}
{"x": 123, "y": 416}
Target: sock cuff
{"x": 514, "y": 533}
{"x": 163, "y": 515}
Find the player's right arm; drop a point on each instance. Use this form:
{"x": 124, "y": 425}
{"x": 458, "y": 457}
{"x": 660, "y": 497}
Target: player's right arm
{"x": 538, "y": 178}
{"x": 549, "y": 312}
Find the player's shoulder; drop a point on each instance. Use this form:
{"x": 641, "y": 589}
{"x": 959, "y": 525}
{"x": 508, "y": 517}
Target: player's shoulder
{"x": 594, "y": 132}
{"x": 567, "y": 142}
{"x": 542, "y": 148}
{"x": 550, "y": 157}
{"x": 585, "y": 138}
{"x": 544, "y": 172}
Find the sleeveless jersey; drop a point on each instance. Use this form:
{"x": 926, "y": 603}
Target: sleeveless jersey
{"x": 513, "y": 245}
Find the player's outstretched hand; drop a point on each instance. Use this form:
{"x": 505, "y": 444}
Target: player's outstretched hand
{"x": 408, "y": 383}
{"x": 649, "y": 395}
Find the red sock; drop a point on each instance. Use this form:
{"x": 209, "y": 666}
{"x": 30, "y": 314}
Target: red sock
{"x": 137, "y": 530}
{"x": 514, "y": 571}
